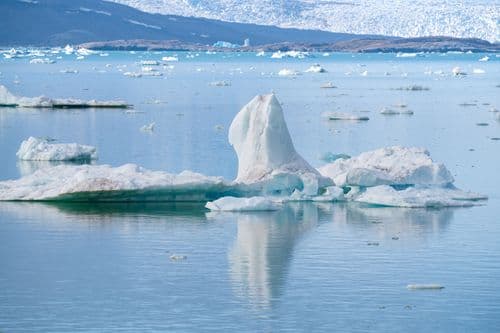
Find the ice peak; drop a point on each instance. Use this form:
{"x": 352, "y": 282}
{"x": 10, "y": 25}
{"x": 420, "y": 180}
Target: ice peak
{"x": 260, "y": 137}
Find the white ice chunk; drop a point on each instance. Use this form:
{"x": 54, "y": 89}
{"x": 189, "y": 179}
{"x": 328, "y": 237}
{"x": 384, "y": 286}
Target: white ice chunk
{"x": 392, "y": 165}
{"x": 38, "y": 149}
{"x": 419, "y": 196}
{"x": 9, "y": 99}
{"x": 105, "y": 183}
{"x": 478, "y": 71}
{"x": 343, "y": 116}
{"x": 263, "y": 144}
{"x": 170, "y": 59}
{"x": 243, "y": 204}
{"x": 288, "y": 72}
{"x": 316, "y": 68}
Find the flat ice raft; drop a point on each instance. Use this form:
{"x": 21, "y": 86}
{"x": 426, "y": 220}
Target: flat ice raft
{"x": 269, "y": 169}
{"x": 7, "y": 99}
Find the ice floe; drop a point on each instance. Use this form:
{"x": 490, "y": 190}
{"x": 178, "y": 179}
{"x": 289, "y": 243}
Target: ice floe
{"x": 457, "y": 71}
{"x": 290, "y": 54}
{"x": 41, "y": 149}
{"x": 316, "y": 68}
{"x": 7, "y": 99}
{"x": 243, "y": 204}
{"x": 343, "y": 116}
{"x": 288, "y": 72}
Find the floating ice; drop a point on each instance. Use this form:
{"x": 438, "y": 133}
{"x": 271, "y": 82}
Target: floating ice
{"x": 149, "y": 63}
{"x": 418, "y": 196}
{"x": 41, "y": 61}
{"x": 260, "y": 137}
{"x": 148, "y": 128}
{"x": 243, "y": 204}
{"x": 328, "y": 85}
{"x": 288, "y": 72}
{"x": 133, "y": 74}
{"x": 39, "y": 149}
{"x": 388, "y": 111}
{"x": 10, "y": 100}
{"x": 105, "y": 183}
{"x": 414, "y": 87}
{"x": 268, "y": 165}
{"x": 222, "y": 83}
{"x": 406, "y": 55}
{"x": 316, "y": 68}
{"x": 170, "y": 59}
{"x": 290, "y": 54}
{"x": 388, "y": 166}
{"x": 457, "y": 71}
{"x": 424, "y": 287}
{"x": 485, "y": 58}
{"x": 478, "y": 71}
{"x": 343, "y": 116}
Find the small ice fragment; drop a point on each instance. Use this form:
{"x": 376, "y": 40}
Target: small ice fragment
{"x": 149, "y": 63}
{"x": 328, "y": 85}
{"x": 424, "y": 287}
{"x": 148, "y": 128}
{"x": 316, "y": 68}
{"x": 288, "y": 72}
{"x": 387, "y": 111}
{"x": 69, "y": 71}
{"x": 39, "y": 149}
{"x": 485, "y": 58}
{"x": 170, "y": 59}
{"x": 132, "y": 74}
{"x": 222, "y": 83}
{"x": 372, "y": 243}
{"x": 478, "y": 71}
{"x": 458, "y": 72}
{"x": 178, "y": 257}
{"x": 243, "y": 204}
{"x": 365, "y": 73}
{"x": 414, "y": 87}
{"x": 344, "y": 116}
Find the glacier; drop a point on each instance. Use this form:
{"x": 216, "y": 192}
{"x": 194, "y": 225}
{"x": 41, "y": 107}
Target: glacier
{"x": 270, "y": 171}
{"x": 41, "y": 149}
{"x": 404, "y": 18}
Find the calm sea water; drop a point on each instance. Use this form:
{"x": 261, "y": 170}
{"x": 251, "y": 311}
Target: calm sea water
{"x": 308, "y": 267}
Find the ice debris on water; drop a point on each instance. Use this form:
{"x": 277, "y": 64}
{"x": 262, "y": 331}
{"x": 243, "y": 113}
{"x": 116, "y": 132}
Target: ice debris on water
{"x": 222, "y": 83}
{"x": 288, "y": 72}
{"x": 389, "y": 111}
{"x": 457, "y": 71}
{"x": 178, "y": 257}
{"x": 41, "y": 149}
{"x": 316, "y": 68}
{"x": 149, "y": 127}
{"x": 328, "y": 85}
{"x": 424, "y": 287}
{"x": 243, "y": 204}
{"x": 344, "y": 116}
{"x": 7, "y": 99}
{"x": 414, "y": 87}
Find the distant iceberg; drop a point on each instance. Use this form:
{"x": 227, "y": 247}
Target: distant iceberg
{"x": 7, "y": 99}
{"x": 316, "y": 68}
{"x": 39, "y": 149}
{"x": 290, "y": 54}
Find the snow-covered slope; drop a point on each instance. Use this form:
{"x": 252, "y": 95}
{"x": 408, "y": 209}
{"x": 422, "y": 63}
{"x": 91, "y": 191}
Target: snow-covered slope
{"x": 406, "y": 18}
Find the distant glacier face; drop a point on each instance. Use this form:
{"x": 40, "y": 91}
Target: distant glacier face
{"x": 406, "y": 18}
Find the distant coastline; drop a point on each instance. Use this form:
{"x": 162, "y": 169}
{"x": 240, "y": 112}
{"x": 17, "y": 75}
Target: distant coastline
{"x": 359, "y": 45}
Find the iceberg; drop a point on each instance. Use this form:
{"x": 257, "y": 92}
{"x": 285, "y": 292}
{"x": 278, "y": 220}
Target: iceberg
{"x": 7, "y": 99}
{"x": 270, "y": 171}
{"x": 40, "y": 149}
{"x": 290, "y": 54}
{"x": 265, "y": 151}
{"x": 316, "y": 68}
{"x": 388, "y": 166}
{"x": 233, "y": 204}
{"x": 170, "y": 59}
